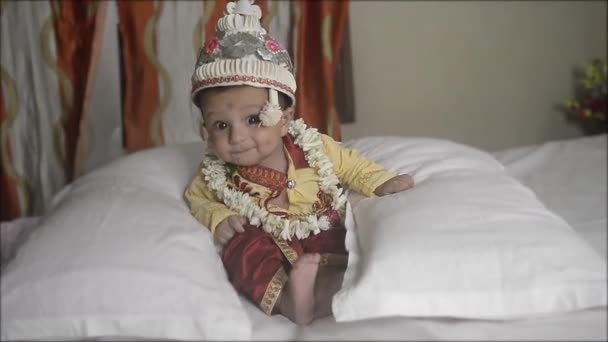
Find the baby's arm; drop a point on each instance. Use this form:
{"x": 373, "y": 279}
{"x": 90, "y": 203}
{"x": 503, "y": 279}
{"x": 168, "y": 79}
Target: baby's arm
{"x": 214, "y": 214}
{"x": 362, "y": 174}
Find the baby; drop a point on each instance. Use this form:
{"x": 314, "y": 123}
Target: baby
{"x": 271, "y": 188}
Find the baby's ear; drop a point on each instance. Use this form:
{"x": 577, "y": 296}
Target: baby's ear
{"x": 202, "y": 129}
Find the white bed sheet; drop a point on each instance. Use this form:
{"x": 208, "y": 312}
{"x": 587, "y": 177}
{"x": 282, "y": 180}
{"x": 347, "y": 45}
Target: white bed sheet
{"x": 569, "y": 176}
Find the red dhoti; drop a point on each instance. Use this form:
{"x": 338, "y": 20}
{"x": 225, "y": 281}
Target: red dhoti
{"x": 258, "y": 264}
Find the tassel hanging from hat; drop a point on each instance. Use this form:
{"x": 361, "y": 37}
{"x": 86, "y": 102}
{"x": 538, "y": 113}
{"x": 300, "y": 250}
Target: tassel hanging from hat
{"x": 271, "y": 113}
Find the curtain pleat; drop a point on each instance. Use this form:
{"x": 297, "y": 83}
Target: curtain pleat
{"x": 317, "y": 39}
{"x": 84, "y": 134}
{"x": 74, "y": 31}
{"x": 9, "y": 196}
{"x": 140, "y": 95}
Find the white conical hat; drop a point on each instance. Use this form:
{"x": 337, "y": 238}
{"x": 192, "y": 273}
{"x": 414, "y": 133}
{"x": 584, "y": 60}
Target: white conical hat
{"x": 242, "y": 53}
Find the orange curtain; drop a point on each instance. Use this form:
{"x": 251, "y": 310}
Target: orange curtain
{"x": 140, "y": 93}
{"x": 317, "y": 39}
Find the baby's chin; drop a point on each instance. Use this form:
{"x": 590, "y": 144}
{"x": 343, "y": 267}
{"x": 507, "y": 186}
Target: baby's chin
{"x": 244, "y": 159}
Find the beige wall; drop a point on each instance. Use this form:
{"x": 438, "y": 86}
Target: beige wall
{"x": 485, "y": 73}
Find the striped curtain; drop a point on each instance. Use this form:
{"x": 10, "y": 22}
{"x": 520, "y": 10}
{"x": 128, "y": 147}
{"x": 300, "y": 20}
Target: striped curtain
{"x": 45, "y": 64}
{"x": 84, "y": 82}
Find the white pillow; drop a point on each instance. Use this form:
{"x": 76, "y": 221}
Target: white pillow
{"x": 467, "y": 241}
{"x": 120, "y": 256}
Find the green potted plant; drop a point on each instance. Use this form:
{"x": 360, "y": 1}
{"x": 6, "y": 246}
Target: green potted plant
{"x": 590, "y": 106}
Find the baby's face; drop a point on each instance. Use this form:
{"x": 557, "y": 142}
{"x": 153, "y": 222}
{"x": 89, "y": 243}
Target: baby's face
{"x": 232, "y": 120}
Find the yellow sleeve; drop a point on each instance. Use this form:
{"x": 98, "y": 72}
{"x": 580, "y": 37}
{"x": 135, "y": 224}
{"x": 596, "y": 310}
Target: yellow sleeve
{"x": 204, "y": 205}
{"x": 353, "y": 170}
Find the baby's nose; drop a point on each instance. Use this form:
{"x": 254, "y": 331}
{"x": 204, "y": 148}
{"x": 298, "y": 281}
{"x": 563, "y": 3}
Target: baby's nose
{"x": 237, "y": 134}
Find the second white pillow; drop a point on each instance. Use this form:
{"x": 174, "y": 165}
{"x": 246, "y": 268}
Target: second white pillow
{"x": 467, "y": 241}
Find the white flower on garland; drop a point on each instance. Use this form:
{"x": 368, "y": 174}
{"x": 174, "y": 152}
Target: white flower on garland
{"x": 214, "y": 171}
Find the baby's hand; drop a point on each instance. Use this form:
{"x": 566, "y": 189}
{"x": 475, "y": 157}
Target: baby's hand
{"x": 230, "y": 226}
{"x": 394, "y": 185}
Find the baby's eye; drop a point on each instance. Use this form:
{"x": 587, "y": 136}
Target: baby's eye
{"x": 254, "y": 119}
{"x": 220, "y": 125}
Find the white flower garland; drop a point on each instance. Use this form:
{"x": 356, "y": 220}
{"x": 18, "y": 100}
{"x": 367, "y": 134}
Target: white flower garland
{"x": 309, "y": 140}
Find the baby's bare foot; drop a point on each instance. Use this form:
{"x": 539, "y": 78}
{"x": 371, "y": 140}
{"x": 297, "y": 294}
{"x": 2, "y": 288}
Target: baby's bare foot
{"x": 297, "y": 302}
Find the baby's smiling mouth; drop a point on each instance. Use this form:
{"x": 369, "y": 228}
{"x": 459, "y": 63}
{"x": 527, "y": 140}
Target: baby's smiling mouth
{"x": 241, "y": 151}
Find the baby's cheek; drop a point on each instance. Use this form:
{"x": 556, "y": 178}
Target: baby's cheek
{"x": 216, "y": 143}
{"x": 217, "y": 150}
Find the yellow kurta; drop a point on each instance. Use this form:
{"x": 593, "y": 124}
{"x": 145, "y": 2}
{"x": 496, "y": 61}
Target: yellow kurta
{"x": 353, "y": 171}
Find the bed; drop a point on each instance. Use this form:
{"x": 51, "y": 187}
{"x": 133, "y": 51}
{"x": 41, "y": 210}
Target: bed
{"x": 568, "y": 176}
